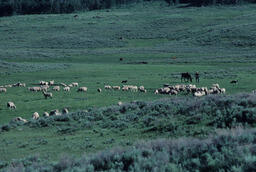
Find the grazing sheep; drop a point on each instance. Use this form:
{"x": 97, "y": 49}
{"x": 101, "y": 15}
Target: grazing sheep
{"x": 46, "y": 95}
{"x": 44, "y": 87}
{"x": 46, "y": 114}
{"x": 182, "y": 87}
{"x": 199, "y": 94}
{"x": 35, "y": 115}
{"x": 130, "y": 87}
{"x": 133, "y": 88}
{"x": 55, "y": 112}
{"x": 82, "y": 89}
{"x": 66, "y": 88}
{"x": 8, "y": 86}
{"x": 156, "y": 92}
{"x": 11, "y": 105}
{"x": 56, "y": 88}
{"x": 116, "y": 87}
{"x": 173, "y": 92}
{"x": 34, "y": 89}
{"x": 70, "y": 85}
{"x": 51, "y": 82}
{"x": 142, "y": 89}
{"x": 216, "y": 86}
{"x": 43, "y": 83}
{"x": 3, "y": 90}
{"x": 222, "y": 90}
{"x": 99, "y": 90}
{"x": 63, "y": 84}
{"x": 107, "y": 87}
{"x": 119, "y": 103}
{"x": 125, "y": 88}
{"x": 17, "y": 119}
{"x": 65, "y": 111}
{"x": 23, "y": 85}
{"x": 165, "y": 90}
{"x": 75, "y": 84}
{"x": 19, "y": 84}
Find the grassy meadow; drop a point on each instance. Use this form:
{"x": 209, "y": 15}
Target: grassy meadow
{"x": 219, "y": 42}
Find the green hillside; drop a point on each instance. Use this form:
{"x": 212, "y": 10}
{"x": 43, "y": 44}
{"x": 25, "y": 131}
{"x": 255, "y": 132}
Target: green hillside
{"x": 156, "y": 43}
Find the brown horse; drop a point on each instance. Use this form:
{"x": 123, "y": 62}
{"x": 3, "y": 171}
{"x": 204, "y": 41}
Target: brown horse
{"x": 186, "y": 77}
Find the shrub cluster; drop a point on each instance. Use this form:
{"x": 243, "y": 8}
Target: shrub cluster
{"x": 176, "y": 116}
{"x": 224, "y": 152}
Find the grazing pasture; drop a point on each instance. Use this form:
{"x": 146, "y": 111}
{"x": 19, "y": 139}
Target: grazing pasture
{"x": 158, "y": 44}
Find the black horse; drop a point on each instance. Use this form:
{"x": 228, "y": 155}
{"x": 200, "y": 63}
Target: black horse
{"x": 186, "y": 77}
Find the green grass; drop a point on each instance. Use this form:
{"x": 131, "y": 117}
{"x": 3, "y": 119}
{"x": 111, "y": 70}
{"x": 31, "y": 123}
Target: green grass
{"x": 219, "y": 42}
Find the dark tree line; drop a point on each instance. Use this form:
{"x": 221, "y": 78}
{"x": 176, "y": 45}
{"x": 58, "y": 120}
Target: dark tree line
{"x": 10, "y": 7}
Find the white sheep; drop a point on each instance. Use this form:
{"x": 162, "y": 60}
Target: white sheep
{"x": 47, "y": 94}
{"x": 141, "y": 88}
{"x": 133, "y": 88}
{"x": 35, "y": 115}
{"x": 65, "y": 111}
{"x": 63, "y": 84}
{"x": 216, "y": 85}
{"x": 99, "y": 90}
{"x": 70, "y": 85}
{"x": 9, "y": 86}
{"x": 82, "y": 89}
{"x": 116, "y": 87}
{"x": 199, "y": 94}
{"x": 107, "y": 87}
{"x": 173, "y": 92}
{"x": 46, "y": 114}
{"x": 3, "y": 90}
{"x": 44, "y": 87}
{"x": 119, "y": 103}
{"x": 20, "y": 119}
{"x": 125, "y": 88}
{"x": 51, "y": 82}
{"x": 66, "y": 88}
{"x": 34, "y": 89}
{"x": 156, "y": 92}
{"x": 55, "y": 112}
{"x": 165, "y": 90}
{"x": 42, "y": 83}
{"x": 11, "y": 105}
{"x": 222, "y": 90}
{"x": 75, "y": 84}
{"x": 56, "y": 88}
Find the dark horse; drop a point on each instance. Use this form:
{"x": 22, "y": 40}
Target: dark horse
{"x": 186, "y": 77}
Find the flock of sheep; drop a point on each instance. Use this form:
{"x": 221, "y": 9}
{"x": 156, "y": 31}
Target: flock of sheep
{"x": 133, "y": 88}
{"x": 197, "y": 92}
{"x": 44, "y": 87}
{"x": 36, "y": 115}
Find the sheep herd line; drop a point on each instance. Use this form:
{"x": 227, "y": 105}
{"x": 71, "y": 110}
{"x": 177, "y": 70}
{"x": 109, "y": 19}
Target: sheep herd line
{"x": 44, "y": 87}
